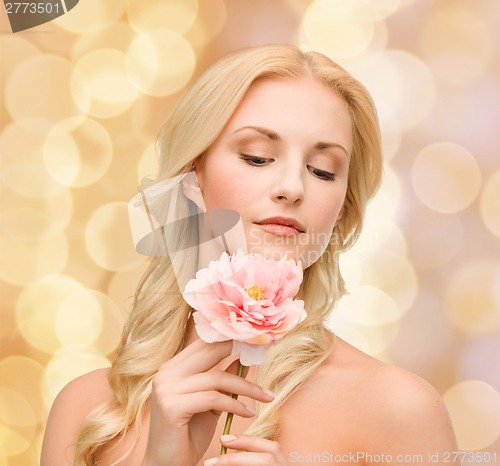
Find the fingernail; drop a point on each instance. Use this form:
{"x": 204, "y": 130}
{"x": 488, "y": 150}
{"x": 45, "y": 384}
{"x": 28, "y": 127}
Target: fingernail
{"x": 269, "y": 393}
{"x": 211, "y": 462}
{"x": 250, "y": 410}
{"x": 228, "y": 438}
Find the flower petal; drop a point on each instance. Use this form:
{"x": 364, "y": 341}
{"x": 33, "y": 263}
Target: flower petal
{"x": 249, "y": 354}
{"x": 227, "y": 311}
{"x": 234, "y": 330}
{"x": 206, "y": 331}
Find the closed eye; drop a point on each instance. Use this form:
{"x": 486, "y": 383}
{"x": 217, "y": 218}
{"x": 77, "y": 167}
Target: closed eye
{"x": 255, "y": 161}
{"x": 322, "y": 174}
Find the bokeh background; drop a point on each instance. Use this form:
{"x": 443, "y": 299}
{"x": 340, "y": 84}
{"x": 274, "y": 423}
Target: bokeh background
{"x": 83, "y": 98}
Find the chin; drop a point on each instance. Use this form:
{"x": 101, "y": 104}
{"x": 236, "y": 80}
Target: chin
{"x": 275, "y": 253}
{"x": 306, "y": 256}
{"x": 298, "y": 248}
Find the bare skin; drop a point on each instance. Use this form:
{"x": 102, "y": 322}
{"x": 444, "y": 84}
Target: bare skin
{"x": 352, "y": 404}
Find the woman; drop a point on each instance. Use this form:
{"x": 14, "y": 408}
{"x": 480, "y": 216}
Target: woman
{"x": 270, "y": 132}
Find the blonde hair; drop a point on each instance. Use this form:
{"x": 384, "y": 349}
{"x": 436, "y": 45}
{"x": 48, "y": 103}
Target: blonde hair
{"x": 156, "y": 329}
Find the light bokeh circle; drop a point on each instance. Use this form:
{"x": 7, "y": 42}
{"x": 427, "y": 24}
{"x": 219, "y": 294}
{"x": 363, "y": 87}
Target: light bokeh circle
{"x": 15, "y": 440}
{"x": 388, "y": 198}
{"x": 380, "y": 230}
{"x": 174, "y": 15}
{"x": 456, "y": 43}
{"x": 100, "y": 84}
{"x": 490, "y": 203}
{"x": 160, "y": 62}
{"x": 14, "y": 51}
{"x": 39, "y": 88}
{"x": 37, "y": 309}
{"x": 332, "y": 29}
{"x": 365, "y": 10}
{"x": 474, "y": 408}
{"x": 368, "y": 306}
{"x": 446, "y": 177}
{"x": 24, "y": 376}
{"x": 23, "y": 170}
{"x": 108, "y": 239}
{"x": 380, "y": 234}
{"x": 61, "y": 156}
{"x": 434, "y": 239}
{"x": 15, "y": 409}
{"x": 38, "y": 222}
{"x": 401, "y": 85}
{"x": 90, "y": 318}
{"x": 79, "y": 319}
{"x": 395, "y": 275}
{"x": 471, "y": 297}
{"x": 391, "y": 142}
{"x": 77, "y": 155}
{"x": 90, "y": 16}
{"x": 148, "y": 163}
{"x": 116, "y": 37}
{"x": 122, "y": 284}
{"x": 479, "y": 360}
{"x": 113, "y": 320}
{"x": 425, "y": 338}
{"x": 209, "y": 22}
{"x": 24, "y": 260}
{"x": 373, "y": 340}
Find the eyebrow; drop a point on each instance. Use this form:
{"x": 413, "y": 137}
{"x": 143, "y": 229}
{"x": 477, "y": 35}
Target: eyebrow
{"x": 273, "y": 136}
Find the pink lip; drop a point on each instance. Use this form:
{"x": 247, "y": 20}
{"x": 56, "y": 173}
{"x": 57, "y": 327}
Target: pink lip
{"x": 277, "y": 229}
{"x": 283, "y": 221}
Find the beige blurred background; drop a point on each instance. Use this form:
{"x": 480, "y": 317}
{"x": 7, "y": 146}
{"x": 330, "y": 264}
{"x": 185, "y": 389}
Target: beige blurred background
{"x": 83, "y": 98}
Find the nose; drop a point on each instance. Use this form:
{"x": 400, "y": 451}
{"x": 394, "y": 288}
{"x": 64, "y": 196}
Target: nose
{"x": 289, "y": 185}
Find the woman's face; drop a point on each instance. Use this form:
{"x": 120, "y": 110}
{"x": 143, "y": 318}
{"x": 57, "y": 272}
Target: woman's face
{"x": 284, "y": 153}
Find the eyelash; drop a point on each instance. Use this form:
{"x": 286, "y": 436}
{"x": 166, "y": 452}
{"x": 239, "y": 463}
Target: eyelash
{"x": 321, "y": 174}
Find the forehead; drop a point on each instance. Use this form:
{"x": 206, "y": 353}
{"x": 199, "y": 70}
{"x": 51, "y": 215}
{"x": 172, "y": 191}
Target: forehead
{"x": 288, "y": 106}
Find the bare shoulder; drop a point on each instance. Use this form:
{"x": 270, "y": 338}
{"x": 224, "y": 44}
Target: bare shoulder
{"x": 69, "y": 409}
{"x": 84, "y": 393}
{"x": 356, "y": 403}
{"x": 369, "y": 380}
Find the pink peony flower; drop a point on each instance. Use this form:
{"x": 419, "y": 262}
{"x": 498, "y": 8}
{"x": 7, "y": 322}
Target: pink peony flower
{"x": 248, "y": 299}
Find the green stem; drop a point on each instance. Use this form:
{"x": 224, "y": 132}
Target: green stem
{"x": 229, "y": 418}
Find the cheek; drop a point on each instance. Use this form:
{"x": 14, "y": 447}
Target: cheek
{"x": 225, "y": 189}
{"x": 326, "y": 210}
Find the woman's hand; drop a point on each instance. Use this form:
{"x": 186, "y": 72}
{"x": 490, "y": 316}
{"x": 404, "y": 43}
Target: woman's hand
{"x": 253, "y": 451}
{"x": 188, "y": 396}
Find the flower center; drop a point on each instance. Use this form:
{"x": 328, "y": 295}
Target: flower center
{"x": 255, "y": 292}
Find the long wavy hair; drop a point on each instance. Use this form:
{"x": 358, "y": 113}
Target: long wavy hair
{"x": 156, "y": 328}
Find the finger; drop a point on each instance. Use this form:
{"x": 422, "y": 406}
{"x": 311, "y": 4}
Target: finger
{"x": 185, "y": 406}
{"x": 223, "y": 382}
{"x": 252, "y": 444}
{"x": 198, "y": 357}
